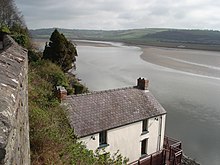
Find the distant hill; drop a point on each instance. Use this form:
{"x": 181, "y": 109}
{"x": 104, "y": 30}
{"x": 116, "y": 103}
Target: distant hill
{"x": 195, "y": 39}
{"x": 98, "y": 34}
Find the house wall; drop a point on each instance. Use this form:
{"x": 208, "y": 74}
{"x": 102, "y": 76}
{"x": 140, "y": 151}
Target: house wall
{"x": 127, "y": 139}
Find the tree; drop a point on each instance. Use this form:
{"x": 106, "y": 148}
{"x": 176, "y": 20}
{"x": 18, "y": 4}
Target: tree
{"x": 11, "y": 21}
{"x": 9, "y": 14}
{"x": 60, "y": 51}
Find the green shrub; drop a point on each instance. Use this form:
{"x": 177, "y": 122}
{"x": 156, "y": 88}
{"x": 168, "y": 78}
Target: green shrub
{"x": 34, "y": 56}
{"x": 4, "y": 28}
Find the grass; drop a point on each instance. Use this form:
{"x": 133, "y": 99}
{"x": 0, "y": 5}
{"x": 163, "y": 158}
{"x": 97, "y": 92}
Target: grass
{"x": 46, "y": 117}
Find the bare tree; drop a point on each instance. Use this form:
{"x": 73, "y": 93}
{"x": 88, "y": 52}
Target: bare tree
{"x": 9, "y": 14}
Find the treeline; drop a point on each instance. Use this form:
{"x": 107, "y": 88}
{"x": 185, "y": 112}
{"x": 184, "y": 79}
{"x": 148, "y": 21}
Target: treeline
{"x": 187, "y": 36}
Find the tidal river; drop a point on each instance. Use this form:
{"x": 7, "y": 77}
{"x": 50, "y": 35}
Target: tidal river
{"x": 186, "y": 83}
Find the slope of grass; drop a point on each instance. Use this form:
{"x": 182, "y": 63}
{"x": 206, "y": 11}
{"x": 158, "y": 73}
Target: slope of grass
{"x": 46, "y": 117}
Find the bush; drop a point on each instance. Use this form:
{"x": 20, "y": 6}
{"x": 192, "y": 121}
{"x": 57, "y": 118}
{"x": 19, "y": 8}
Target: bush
{"x": 34, "y": 56}
{"x": 4, "y": 29}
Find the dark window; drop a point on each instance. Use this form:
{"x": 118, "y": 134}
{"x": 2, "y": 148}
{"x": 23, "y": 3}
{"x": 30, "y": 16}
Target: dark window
{"x": 144, "y": 147}
{"x": 103, "y": 137}
{"x": 145, "y": 125}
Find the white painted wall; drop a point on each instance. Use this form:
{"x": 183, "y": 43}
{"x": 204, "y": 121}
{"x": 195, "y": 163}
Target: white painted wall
{"x": 90, "y": 143}
{"x": 163, "y": 118}
{"x": 127, "y": 139}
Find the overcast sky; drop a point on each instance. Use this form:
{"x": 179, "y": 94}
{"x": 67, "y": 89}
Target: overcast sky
{"x": 121, "y": 14}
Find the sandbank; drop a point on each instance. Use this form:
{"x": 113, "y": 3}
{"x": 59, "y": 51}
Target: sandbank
{"x": 183, "y": 60}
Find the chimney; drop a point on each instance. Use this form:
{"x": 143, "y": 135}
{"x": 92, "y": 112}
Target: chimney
{"x": 142, "y": 83}
{"x": 61, "y": 93}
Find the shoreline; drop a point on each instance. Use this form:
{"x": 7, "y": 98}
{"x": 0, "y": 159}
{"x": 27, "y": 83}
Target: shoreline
{"x": 92, "y": 43}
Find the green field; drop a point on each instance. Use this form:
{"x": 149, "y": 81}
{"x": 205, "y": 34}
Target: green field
{"x": 192, "y": 39}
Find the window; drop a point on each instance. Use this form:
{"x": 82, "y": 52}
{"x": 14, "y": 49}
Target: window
{"x": 145, "y": 125}
{"x": 103, "y": 138}
{"x": 144, "y": 146}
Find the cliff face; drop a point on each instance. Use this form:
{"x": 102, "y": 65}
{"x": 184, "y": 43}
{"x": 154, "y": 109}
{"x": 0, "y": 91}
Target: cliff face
{"x": 14, "y": 122}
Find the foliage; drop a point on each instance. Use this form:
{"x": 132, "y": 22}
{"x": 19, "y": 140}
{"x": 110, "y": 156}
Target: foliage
{"x": 4, "y": 28}
{"x": 11, "y": 21}
{"x": 22, "y": 39}
{"x": 9, "y": 13}
{"x": 34, "y": 56}
{"x": 187, "y": 36}
{"x": 76, "y": 85}
{"x": 50, "y": 72}
{"x": 51, "y": 137}
{"x": 60, "y": 51}
{"x": 20, "y": 35}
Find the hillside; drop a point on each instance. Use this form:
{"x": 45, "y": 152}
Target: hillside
{"x": 195, "y": 39}
{"x": 96, "y": 34}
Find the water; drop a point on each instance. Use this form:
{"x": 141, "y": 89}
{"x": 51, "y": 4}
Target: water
{"x": 190, "y": 98}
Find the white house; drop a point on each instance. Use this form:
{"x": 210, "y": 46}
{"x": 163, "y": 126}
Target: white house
{"x": 130, "y": 120}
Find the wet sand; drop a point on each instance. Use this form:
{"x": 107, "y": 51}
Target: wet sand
{"x": 205, "y": 63}
{"x": 92, "y": 43}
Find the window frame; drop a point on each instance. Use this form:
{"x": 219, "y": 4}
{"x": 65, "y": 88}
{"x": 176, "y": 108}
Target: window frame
{"x": 103, "y": 138}
{"x": 145, "y": 125}
{"x": 144, "y": 145}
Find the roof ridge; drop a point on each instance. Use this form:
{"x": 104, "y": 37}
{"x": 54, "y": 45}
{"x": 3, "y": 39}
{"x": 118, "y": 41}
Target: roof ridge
{"x": 103, "y": 91}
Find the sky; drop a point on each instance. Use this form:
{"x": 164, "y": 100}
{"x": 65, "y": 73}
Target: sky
{"x": 121, "y": 14}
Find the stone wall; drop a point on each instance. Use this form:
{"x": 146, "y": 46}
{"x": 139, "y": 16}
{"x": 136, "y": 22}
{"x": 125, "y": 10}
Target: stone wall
{"x": 14, "y": 122}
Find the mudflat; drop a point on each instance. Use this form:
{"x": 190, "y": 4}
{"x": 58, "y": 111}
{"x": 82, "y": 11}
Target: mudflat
{"x": 200, "y": 62}
{"x": 92, "y": 43}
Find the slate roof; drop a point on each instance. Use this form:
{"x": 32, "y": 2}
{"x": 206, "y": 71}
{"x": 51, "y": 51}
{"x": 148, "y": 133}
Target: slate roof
{"x": 94, "y": 112}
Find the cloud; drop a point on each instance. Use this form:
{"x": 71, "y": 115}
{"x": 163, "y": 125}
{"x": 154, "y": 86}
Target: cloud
{"x": 123, "y": 14}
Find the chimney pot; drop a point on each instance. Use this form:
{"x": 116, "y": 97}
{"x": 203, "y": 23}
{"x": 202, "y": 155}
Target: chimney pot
{"x": 142, "y": 83}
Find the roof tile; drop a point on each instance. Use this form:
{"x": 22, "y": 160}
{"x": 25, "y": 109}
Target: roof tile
{"x": 98, "y": 111}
